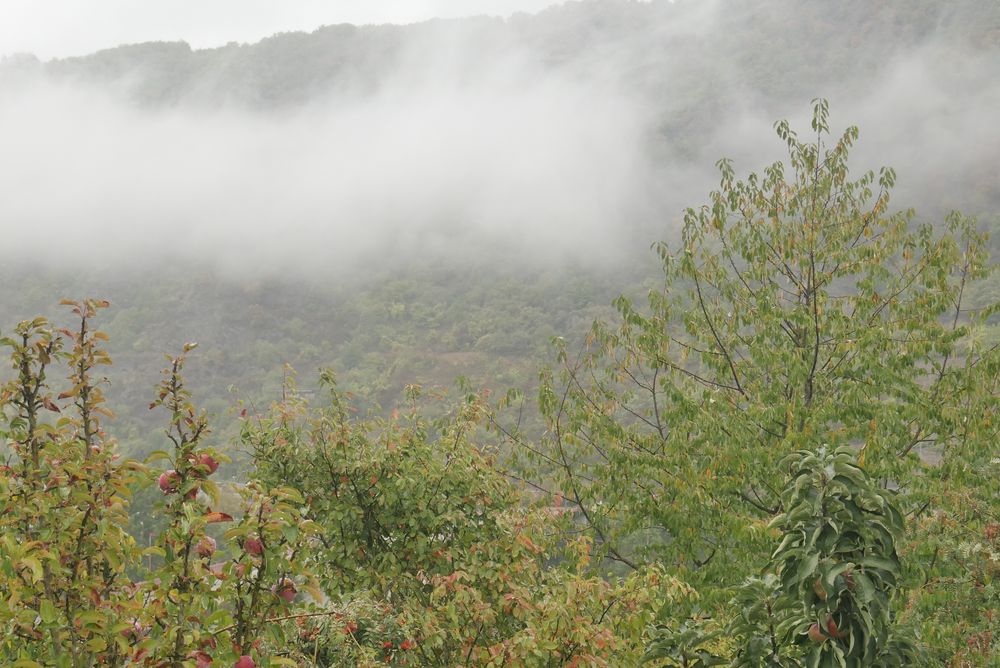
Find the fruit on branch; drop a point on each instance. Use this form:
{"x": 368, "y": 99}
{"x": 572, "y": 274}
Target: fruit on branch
{"x": 285, "y": 590}
{"x": 253, "y": 546}
{"x": 205, "y": 463}
{"x": 205, "y": 547}
{"x": 169, "y": 481}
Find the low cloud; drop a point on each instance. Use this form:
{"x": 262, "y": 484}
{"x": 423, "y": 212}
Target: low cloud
{"x": 514, "y": 162}
{"x": 475, "y": 141}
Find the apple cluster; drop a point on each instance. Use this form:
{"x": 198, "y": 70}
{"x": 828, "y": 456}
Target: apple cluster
{"x": 200, "y": 466}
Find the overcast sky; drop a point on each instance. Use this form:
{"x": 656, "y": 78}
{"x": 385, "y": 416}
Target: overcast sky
{"x": 59, "y": 28}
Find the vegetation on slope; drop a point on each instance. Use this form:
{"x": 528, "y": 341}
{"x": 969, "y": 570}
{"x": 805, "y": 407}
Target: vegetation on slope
{"x": 787, "y": 458}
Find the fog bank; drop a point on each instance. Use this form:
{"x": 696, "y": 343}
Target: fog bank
{"x": 527, "y": 164}
{"x": 576, "y": 135}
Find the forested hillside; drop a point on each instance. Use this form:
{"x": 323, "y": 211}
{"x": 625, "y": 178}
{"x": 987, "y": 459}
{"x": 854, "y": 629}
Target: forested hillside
{"x": 395, "y": 311}
{"x": 447, "y": 407}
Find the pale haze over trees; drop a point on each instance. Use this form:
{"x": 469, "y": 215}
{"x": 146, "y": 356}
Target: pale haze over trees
{"x": 447, "y": 406}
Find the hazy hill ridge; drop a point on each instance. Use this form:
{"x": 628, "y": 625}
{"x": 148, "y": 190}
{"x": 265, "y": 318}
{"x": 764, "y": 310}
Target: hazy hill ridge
{"x": 771, "y": 47}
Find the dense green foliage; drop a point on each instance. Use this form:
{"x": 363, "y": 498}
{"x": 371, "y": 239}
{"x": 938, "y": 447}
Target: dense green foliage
{"x": 65, "y": 549}
{"x": 793, "y": 313}
{"x": 837, "y": 566}
{"x": 796, "y": 313}
{"x": 357, "y": 541}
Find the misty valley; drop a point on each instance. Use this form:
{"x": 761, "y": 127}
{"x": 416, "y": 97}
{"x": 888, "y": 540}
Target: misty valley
{"x": 611, "y": 333}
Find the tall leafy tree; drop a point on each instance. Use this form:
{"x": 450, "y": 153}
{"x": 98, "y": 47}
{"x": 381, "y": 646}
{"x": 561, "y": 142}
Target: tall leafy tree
{"x": 797, "y": 309}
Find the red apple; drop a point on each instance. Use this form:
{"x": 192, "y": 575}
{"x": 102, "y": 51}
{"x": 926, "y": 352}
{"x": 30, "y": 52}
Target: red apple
{"x": 285, "y": 590}
{"x": 205, "y": 461}
{"x": 244, "y": 662}
{"x": 169, "y": 480}
{"x": 253, "y": 546}
{"x": 205, "y": 547}
{"x": 815, "y": 634}
{"x": 820, "y": 590}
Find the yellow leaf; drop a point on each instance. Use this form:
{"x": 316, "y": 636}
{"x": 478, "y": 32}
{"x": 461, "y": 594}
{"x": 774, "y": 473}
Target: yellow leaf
{"x": 35, "y": 566}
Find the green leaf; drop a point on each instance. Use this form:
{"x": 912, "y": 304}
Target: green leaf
{"x": 37, "y": 572}
{"x": 807, "y": 567}
{"x": 156, "y": 455}
{"x": 47, "y": 611}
